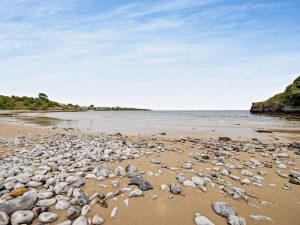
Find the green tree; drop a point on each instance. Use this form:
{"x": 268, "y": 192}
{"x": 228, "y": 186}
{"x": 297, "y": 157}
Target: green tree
{"x": 43, "y": 97}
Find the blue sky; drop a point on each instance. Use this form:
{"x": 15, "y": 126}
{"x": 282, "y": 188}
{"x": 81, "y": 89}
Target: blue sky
{"x": 163, "y": 54}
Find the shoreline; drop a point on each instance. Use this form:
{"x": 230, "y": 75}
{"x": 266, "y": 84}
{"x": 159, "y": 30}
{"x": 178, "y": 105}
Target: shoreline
{"x": 241, "y": 132}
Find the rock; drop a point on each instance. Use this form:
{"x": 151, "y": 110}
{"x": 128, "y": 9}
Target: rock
{"x": 59, "y": 187}
{"x": 34, "y": 184}
{"x": 18, "y": 192}
{"x": 258, "y": 217}
{"x": 136, "y": 193}
{"x": 245, "y": 181}
{"x": 4, "y": 219}
{"x": 67, "y": 222}
{"x": 198, "y": 181}
{"x": 46, "y": 202}
{"x": 235, "y": 220}
{"x": 180, "y": 179}
{"x": 73, "y": 213}
{"x": 164, "y": 188}
{"x": 62, "y": 205}
{"x": 85, "y": 210}
{"x": 246, "y": 173}
{"x": 187, "y": 166}
{"x": 202, "y": 220}
{"x": 81, "y": 220}
{"x": 45, "y": 195}
{"x": 9, "y": 185}
{"x": 97, "y": 220}
{"x": 82, "y": 199}
{"x": 22, "y": 217}
{"x": 23, "y": 178}
{"x": 224, "y": 139}
{"x": 223, "y": 209}
{"x": 294, "y": 181}
{"x": 47, "y": 217}
{"x": 175, "y": 189}
{"x": 189, "y": 183}
{"x": 25, "y": 202}
{"x": 114, "y": 213}
{"x": 143, "y": 185}
{"x": 120, "y": 171}
{"x": 79, "y": 182}
{"x": 126, "y": 202}
{"x": 155, "y": 161}
{"x": 131, "y": 168}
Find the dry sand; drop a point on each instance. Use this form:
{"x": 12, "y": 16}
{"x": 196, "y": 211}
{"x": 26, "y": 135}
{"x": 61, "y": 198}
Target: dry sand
{"x": 180, "y": 210}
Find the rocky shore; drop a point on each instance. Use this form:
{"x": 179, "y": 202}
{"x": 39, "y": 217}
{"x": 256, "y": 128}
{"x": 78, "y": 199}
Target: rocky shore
{"x": 68, "y": 178}
{"x": 285, "y": 103}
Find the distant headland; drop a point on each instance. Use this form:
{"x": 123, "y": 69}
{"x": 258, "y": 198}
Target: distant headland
{"x": 43, "y": 103}
{"x": 285, "y": 103}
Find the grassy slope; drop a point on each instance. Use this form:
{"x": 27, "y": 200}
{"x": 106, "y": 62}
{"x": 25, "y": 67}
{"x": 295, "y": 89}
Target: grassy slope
{"x": 291, "y": 96}
{"x": 43, "y": 103}
{"x": 30, "y": 103}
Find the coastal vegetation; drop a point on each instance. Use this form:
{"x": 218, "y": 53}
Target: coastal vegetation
{"x": 285, "y": 102}
{"x": 43, "y": 103}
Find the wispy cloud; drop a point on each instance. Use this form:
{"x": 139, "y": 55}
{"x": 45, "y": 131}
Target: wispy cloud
{"x": 184, "y": 42}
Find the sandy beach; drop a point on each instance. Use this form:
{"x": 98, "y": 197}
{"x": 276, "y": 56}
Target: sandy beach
{"x": 260, "y": 193}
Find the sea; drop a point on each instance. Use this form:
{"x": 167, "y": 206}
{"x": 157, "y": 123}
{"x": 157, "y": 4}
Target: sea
{"x": 236, "y": 122}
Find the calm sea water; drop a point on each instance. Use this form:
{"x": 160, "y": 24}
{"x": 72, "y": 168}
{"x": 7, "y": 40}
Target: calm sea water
{"x": 167, "y": 121}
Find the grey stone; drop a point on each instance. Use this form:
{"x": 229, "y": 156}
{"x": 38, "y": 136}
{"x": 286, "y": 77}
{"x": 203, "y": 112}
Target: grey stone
{"x": 67, "y": 222}
{"x": 82, "y": 199}
{"x": 235, "y": 220}
{"x": 4, "y": 219}
{"x": 25, "y": 202}
{"x": 46, "y": 202}
{"x": 47, "y": 217}
{"x": 202, "y": 220}
{"x": 22, "y": 217}
{"x": 120, "y": 171}
{"x": 97, "y": 220}
{"x": 62, "y": 205}
{"x": 73, "y": 213}
{"x": 85, "y": 210}
{"x": 78, "y": 183}
{"x": 175, "y": 189}
{"x": 81, "y": 220}
{"x": 258, "y": 217}
{"x": 136, "y": 193}
{"x": 223, "y": 209}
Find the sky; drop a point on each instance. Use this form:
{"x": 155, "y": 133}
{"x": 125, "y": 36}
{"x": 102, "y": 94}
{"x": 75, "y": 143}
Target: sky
{"x": 159, "y": 54}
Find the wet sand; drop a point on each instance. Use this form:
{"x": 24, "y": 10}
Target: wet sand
{"x": 167, "y": 210}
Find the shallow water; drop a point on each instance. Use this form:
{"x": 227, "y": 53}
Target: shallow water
{"x": 165, "y": 121}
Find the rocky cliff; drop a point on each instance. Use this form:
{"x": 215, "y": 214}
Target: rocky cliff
{"x": 287, "y": 102}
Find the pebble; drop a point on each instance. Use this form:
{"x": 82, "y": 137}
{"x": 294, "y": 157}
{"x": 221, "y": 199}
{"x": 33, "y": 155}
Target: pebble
{"x": 47, "y": 217}
{"x": 21, "y": 217}
{"x": 97, "y": 220}
{"x": 260, "y": 217}
{"x": 114, "y": 213}
{"x": 4, "y": 219}
{"x": 81, "y": 220}
{"x": 202, "y": 220}
{"x": 223, "y": 209}
{"x": 189, "y": 183}
{"x": 164, "y": 188}
{"x": 73, "y": 213}
{"x": 175, "y": 189}
{"x": 25, "y": 202}
{"x": 136, "y": 193}
{"x": 62, "y": 205}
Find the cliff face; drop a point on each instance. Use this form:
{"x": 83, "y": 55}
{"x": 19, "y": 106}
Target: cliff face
{"x": 287, "y": 102}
